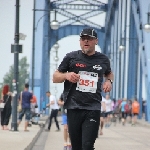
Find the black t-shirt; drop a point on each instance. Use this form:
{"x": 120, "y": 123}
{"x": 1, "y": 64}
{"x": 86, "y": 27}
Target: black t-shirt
{"x": 77, "y": 61}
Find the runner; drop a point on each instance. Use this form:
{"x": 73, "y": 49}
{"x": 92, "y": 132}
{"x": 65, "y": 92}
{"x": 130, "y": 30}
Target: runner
{"x": 102, "y": 116}
{"x": 108, "y": 114}
{"x": 135, "y": 111}
{"x": 124, "y": 114}
{"x": 82, "y": 72}
{"x": 67, "y": 143}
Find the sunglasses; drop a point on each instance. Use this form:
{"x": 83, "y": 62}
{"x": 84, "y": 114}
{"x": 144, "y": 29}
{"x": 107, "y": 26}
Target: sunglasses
{"x": 89, "y": 38}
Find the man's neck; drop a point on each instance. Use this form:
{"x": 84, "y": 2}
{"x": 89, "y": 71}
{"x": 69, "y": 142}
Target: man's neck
{"x": 25, "y": 89}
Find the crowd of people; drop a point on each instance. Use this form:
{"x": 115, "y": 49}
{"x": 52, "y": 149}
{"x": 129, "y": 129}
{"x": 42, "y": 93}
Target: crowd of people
{"x": 121, "y": 110}
{"x": 27, "y": 102}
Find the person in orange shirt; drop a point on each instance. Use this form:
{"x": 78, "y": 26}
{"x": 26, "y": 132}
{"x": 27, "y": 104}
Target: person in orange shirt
{"x": 33, "y": 103}
{"x": 135, "y": 111}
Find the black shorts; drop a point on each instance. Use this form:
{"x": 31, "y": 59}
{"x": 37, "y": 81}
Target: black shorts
{"x": 130, "y": 114}
{"x": 124, "y": 115}
{"x": 102, "y": 114}
{"x": 135, "y": 114}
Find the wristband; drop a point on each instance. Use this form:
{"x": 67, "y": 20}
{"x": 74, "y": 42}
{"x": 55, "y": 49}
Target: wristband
{"x": 111, "y": 81}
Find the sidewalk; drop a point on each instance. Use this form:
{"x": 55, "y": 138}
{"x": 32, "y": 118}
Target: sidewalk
{"x": 19, "y": 140}
{"x": 115, "y": 137}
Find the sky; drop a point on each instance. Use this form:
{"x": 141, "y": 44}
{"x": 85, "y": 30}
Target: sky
{"x": 7, "y": 29}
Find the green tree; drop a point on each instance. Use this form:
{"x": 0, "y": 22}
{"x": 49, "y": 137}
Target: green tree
{"x": 22, "y": 76}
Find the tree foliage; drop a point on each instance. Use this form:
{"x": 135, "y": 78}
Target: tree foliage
{"x": 23, "y": 74}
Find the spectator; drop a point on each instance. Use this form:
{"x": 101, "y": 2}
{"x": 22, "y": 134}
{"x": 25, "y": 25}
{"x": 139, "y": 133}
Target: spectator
{"x": 54, "y": 110}
{"x": 135, "y": 111}
{"x": 102, "y": 115}
{"x": 33, "y": 103}
{"x": 124, "y": 114}
{"x": 67, "y": 143}
{"x": 25, "y": 99}
{"x": 108, "y": 114}
{"x": 6, "y": 113}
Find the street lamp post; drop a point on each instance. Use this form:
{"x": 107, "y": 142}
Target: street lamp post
{"x": 147, "y": 26}
{"x": 54, "y": 24}
{"x": 56, "y": 46}
{"x": 16, "y": 49}
{"x": 122, "y": 46}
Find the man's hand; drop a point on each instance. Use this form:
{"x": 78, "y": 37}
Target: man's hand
{"x": 61, "y": 103}
{"x": 107, "y": 86}
{"x": 48, "y": 105}
{"x": 72, "y": 77}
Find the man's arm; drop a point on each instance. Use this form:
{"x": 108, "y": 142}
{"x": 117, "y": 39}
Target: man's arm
{"x": 59, "y": 77}
{"x": 60, "y": 102}
{"x": 107, "y": 86}
{"x": 109, "y": 77}
{"x": 51, "y": 103}
{"x": 103, "y": 106}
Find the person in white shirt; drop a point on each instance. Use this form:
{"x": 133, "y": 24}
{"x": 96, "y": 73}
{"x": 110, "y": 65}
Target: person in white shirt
{"x": 108, "y": 104}
{"x": 102, "y": 116}
{"x": 54, "y": 110}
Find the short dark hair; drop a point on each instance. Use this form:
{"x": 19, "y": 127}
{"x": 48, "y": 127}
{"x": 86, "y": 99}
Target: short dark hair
{"x": 48, "y": 92}
{"x": 135, "y": 98}
{"x": 26, "y": 85}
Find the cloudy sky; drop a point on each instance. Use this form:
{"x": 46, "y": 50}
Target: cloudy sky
{"x": 7, "y": 29}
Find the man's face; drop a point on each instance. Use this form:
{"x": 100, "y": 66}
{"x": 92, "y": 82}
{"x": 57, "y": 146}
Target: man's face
{"x": 48, "y": 94}
{"x": 87, "y": 44}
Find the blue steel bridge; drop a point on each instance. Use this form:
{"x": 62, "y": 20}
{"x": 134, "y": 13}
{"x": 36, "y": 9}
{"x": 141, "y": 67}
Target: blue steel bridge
{"x": 124, "y": 38}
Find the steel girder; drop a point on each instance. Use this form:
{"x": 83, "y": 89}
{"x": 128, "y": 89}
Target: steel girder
{"x": 96, "y": 7}
{"x": 44, "y": 38}
{"x": 82, "y": 19}
{"x": 130, "y": 65}
{"x": 89, "y": 5}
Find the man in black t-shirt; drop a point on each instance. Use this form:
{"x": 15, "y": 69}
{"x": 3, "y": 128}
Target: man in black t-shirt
{"x": 82, "y": 72}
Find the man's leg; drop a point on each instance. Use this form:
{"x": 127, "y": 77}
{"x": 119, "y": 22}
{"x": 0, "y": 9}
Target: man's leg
{"x": 50, "y": 119}
{"x": 101, "y": 125}
{"x": 90, "y": 129}
{"x": 55, "y": 117}
{"x": 21, "y": 114}
{"x": 64, "y": 122}
{"x": 65, "y": 135}
{"x": 75, "y": 117}
{"x": 27, "y": 118}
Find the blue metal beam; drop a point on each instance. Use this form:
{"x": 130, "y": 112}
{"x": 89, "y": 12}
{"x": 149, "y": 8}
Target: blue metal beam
{"x": 89, "y": 5}
{"x": 74, "y": 19}
{"x": 72, "y": 30}
{"x": 77, "y": 19}
{"x": 79, "y": 7}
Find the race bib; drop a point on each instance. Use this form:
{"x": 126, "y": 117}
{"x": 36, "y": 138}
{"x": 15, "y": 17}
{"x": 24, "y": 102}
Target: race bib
{"x": 87, "y": 82}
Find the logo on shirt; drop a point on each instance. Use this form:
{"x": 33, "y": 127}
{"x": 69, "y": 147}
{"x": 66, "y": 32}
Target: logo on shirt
{"x": 92, "y": 120}
{"x": 80, "y": 65}
{"x": 98, "y": 67}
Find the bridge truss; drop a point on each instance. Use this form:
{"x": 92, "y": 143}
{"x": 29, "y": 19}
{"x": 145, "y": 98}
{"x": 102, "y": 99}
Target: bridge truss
{"x": 123, "y": 25}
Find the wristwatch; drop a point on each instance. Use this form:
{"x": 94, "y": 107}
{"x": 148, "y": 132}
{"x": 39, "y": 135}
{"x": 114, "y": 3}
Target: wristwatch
{"x": 111, "y": 81}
